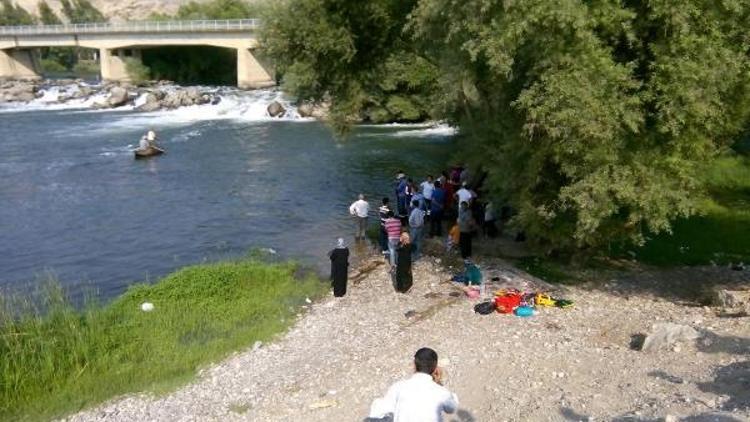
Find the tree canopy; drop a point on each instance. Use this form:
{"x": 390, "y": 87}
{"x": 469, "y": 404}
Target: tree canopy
{"x": 360, "y": 57}
{"x": 46, "y": 15}
{"x": 592, "y": 118}
{"x": 13, "y": 14}
{"x": 81, "y": 11}
{"x": 218, "y": 9}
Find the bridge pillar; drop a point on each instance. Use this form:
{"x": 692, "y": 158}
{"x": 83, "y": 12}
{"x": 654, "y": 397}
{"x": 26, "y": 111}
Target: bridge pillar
{"x": 113, "y": 66}
{"x": 250, "y": 73}
{"x": 20, "y": 64}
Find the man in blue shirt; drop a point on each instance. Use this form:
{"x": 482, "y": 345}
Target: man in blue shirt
{"x": 401, "y": 187}
{"x": 437, "y": 206}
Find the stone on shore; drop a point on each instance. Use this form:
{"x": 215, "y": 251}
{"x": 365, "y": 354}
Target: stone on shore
{"x": 665, "y": 335}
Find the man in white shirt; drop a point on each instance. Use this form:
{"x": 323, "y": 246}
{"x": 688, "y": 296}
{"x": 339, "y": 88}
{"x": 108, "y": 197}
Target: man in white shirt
{"x": 428, "y": 186}
{"x": 464, "y": 194}
{"x": 421, "y": 398}
{"x": 359, "y": 210}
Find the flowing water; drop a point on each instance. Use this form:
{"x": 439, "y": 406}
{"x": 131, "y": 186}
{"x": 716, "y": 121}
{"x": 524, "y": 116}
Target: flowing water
{"x": 75, "y": 204}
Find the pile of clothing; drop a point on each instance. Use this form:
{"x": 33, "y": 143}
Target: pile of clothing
{"x": 506, "y": 300}
{"x": 520, "y": 303}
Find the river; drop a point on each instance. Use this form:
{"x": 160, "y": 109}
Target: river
{"x": 74, "y": 203}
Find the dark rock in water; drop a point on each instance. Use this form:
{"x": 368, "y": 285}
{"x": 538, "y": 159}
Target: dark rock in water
{"x": 275, "y": 109}
{"x": 216, "y": 100}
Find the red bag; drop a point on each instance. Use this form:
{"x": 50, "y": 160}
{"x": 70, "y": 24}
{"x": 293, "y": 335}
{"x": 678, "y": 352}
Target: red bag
{"x": 508, "y": 302}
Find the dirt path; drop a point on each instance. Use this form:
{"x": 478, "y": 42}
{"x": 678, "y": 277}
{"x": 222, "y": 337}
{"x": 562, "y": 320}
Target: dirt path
{"x": 573, "y": 364}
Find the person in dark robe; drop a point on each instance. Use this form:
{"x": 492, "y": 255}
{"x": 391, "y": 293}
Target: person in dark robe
{"x": 339, "y": 268}
{"x": 403, "y": 264}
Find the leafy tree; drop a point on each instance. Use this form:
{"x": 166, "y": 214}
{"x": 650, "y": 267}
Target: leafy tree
{"x": 81, "y": 11}
{"x": 593, "y": 118}
{"x": 137, "y": 71}
{"x": 218, "y": 9}
{"x": 13, "y": 14}
{"x": 356, "y": 57}
{"x": 46, "y": 15}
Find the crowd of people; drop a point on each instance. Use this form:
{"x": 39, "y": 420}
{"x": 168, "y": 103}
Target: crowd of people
{"x": 422, "y": 210}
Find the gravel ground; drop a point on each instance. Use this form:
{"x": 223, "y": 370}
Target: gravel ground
{"x": 562, "y": 364}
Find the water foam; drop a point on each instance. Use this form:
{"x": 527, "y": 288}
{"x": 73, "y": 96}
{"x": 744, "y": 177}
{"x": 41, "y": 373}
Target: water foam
{"x": 233, "y": 105}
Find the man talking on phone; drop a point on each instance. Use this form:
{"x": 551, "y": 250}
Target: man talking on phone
{"x": 420, "y": 398}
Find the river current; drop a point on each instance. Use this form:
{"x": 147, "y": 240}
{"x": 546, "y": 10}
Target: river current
{"x": 74, "y": 203}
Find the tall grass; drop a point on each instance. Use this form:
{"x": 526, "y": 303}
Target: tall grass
{"x": 63, "y": 359}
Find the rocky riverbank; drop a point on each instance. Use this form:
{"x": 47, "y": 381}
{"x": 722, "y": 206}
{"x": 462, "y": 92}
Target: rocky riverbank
{"x": 152, "y": 97}
{"x": 574, "y": 364}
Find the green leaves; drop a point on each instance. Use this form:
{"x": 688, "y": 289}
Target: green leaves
{"x": 13, "y": 14}
{"x": 81, "y": 11}
{"x": 357, "y": 58}
{"x": 592, "y": 118}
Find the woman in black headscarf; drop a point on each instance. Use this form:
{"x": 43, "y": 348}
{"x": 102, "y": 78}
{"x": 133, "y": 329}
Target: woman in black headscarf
{"x": 339, "y": 268}
{"x": 403, "y": 264}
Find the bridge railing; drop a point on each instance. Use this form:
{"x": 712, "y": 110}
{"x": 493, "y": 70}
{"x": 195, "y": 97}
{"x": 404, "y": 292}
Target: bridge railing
{"x": 134, "y": 27}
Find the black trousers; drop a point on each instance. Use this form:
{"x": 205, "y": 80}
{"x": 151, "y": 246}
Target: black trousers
{"x": 436, "y": 223}
{"x": 464, "y": 243}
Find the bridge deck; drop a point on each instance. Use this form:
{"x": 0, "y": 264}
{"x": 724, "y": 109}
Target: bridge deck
{"x": 232, "y": 25}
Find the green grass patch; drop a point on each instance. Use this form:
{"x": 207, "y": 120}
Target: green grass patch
{"x": 720, "y": 233}
{"x": 65, "y": 359}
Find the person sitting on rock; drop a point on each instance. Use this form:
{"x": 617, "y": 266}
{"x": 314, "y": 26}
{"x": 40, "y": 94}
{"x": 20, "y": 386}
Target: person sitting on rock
{"x": 151, "y": 138}
{"x": 144, "y": 144}
{"x": 421, "y": 398}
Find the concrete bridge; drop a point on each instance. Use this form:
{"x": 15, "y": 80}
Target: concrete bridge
{"x": 19, "y": 58}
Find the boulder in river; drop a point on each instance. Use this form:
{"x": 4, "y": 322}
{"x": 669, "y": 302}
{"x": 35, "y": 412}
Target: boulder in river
{"x": 275, "y": 109}
{"x": 305, "y": 109}
{"x": 118, "y": 96}
{"x": 151, "y": 104}
{"x": 13, "y": 91}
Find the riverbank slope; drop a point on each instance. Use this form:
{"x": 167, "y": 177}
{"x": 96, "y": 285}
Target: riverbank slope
{"x": 573, "y": 364}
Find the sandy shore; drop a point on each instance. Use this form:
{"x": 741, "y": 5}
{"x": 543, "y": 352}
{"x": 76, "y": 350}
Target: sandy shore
{"x": 573, "y": 364}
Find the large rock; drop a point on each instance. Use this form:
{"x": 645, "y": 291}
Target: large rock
{"x": 275, "y": 109}
{"x": 735, "y": 301}
{"x": 305, "y": 109}
{"x": 118, "y": 96}
{"x": 192, "y": 97}
{"x": 184, "y": 97}
{"x": 151, "y": 104}
{"x": 665, "y": 335}
{"x": 13, "y": 91}
{"x": 173, "y": 99}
